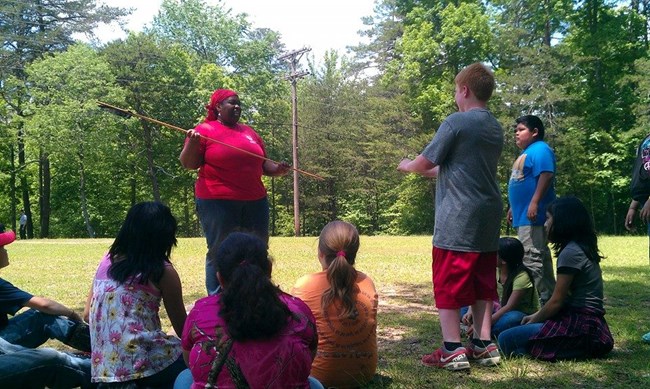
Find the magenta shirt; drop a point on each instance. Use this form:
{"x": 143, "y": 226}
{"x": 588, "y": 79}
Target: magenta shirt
{"x": 226, "y": 173}
{"x": 283, "y": 361}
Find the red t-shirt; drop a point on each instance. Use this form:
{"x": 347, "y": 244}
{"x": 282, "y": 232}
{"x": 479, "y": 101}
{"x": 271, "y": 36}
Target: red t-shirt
{"x": 226, "y": 173}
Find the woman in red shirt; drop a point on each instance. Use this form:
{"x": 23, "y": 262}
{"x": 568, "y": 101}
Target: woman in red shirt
{"x": 229, "y": 191}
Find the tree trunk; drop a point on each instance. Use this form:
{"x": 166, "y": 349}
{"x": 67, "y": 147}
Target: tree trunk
{"x": 12, "y": 186}
{"x": 82, "y": 195}
{"x": 23, "y": 180}
{"x": 45, "y": 180}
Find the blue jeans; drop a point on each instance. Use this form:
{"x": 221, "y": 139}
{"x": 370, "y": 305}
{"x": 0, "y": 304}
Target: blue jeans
{"x": 514, "y": 341}
{"x": 507, "y": 320}
{"x": 185, "y": 381}
{"x": 32, "y": 328}
{"x": 221, "y": 217}
{"x": 22, "y": 367}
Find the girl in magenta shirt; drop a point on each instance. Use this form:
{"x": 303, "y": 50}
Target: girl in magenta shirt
{"x": 251, "y": 334}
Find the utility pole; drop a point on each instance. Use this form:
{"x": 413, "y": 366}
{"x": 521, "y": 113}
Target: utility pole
{"x": 293, "y": 58}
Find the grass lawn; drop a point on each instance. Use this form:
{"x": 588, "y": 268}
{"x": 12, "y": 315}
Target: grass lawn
{"x": 408, "y": 321}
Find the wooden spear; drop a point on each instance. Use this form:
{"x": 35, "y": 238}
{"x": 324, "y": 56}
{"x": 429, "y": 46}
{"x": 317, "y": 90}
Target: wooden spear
{"x": 128, "y": 113}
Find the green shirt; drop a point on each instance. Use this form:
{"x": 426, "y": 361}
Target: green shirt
{"x": 529, "y": 303}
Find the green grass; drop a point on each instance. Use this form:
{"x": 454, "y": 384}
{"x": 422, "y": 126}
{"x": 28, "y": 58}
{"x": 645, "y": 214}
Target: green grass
{"x": 408, "y": 322}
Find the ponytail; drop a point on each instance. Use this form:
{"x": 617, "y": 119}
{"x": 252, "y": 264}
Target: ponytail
{"x": 339, "y": 243}
{"x": 341, "y": 276}
{"x": 250, "y": 302}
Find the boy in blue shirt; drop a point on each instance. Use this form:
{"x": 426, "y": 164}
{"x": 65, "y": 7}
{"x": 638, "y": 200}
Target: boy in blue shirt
{"x": 530, "y": 190}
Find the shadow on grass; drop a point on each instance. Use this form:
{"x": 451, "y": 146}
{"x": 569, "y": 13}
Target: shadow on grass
{"x": 408, "y": 328}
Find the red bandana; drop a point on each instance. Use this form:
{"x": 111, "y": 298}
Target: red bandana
{"x": 217, "y": 97}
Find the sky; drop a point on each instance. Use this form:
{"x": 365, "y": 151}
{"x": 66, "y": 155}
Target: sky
{"x": 318, "y": 24}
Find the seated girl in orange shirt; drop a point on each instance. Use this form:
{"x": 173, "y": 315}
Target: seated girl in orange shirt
{"x": 344, "y": 302}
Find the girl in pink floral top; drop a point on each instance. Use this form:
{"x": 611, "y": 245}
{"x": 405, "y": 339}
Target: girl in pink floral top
{"x": 128, "y": 343}
{"x": 252, "y": 335}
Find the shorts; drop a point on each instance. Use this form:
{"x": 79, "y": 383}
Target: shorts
{"x": 460, "y": 278}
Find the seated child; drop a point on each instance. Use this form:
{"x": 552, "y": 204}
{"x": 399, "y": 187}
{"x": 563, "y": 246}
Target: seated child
{"x": 251, "y": 334}
{"x": 572, "y": 323}
{"x": 518, "y": 295}
{"x": 344, "y": 302}
{"x": 46, "y": 318}
{"x": 129, "y": 346}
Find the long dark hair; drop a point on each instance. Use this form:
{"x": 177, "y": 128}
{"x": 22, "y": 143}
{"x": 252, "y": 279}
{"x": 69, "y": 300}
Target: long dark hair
{"x": 250, "y": 302}
{"x": 511, "y": 251}
{"x": 143, "y": 244}
{"x": 572, "y": 223}
{"x": 339, "y": 243}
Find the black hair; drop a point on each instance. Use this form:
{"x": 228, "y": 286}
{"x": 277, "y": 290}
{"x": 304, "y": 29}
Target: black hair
{"x": 531, "y": 122}
{"x": 250, "y": 302}
{"x": 572, "y": 223}
{"x": 511, "y": 251}
{"x": 143, "y": 244}
{"x": 2, "y": 227}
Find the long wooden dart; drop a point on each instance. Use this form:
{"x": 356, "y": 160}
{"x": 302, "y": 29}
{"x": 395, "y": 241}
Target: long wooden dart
{"x": 125, "y": 113}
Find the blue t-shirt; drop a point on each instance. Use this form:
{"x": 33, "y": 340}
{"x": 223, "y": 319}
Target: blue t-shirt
{"x": 534, "y": 160}
{"x": 12, "y": 300}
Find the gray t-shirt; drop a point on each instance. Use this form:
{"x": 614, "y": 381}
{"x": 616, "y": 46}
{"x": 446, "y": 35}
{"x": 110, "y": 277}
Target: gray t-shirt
{"x": 587, "y": 285}
{"x": 468, "y": 205}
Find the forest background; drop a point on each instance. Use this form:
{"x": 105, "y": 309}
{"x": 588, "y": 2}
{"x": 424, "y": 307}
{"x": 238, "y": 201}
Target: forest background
{"x": 582, "y": 66}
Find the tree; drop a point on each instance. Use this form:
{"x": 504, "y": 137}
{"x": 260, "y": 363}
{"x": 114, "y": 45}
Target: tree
{"x": 69, "y": 128}
{"x": 29, "y": 30}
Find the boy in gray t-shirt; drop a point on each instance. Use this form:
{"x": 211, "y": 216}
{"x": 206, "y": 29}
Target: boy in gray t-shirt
{"x": 463, "y": 155}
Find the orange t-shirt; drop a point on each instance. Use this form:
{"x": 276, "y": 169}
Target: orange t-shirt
{"x": 347, "y": 348}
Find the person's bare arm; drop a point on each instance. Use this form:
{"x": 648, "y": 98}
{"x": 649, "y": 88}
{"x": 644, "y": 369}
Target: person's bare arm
{"x": 543, "y": 183}
{"x": 52, "y": 307}
{"x": 645, "y": 212}
{"x": 172, "y": 295}
{"x": 629, "y": 217}
{"x": 86, "y": 314}
{"x": 273, "y": 169}
{"x": 556, "y": 302}
{"x": 419, "y": 165}
{"x": 190, "y": 156}
{"x": 513, "y": 301}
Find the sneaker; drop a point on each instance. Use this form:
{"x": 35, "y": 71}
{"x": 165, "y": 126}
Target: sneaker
{"x": 450, "y": 360}
{"x": 484, "y": 356}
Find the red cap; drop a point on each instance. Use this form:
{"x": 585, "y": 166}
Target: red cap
{"x": 7, "y": 237}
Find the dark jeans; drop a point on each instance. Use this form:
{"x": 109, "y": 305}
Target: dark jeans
{"x": 22, "y": 367}
{"x": 221, "y": 217}
{"x": 32, "y": 328}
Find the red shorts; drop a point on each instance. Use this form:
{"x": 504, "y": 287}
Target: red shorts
{"x": 461, "y": 278}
